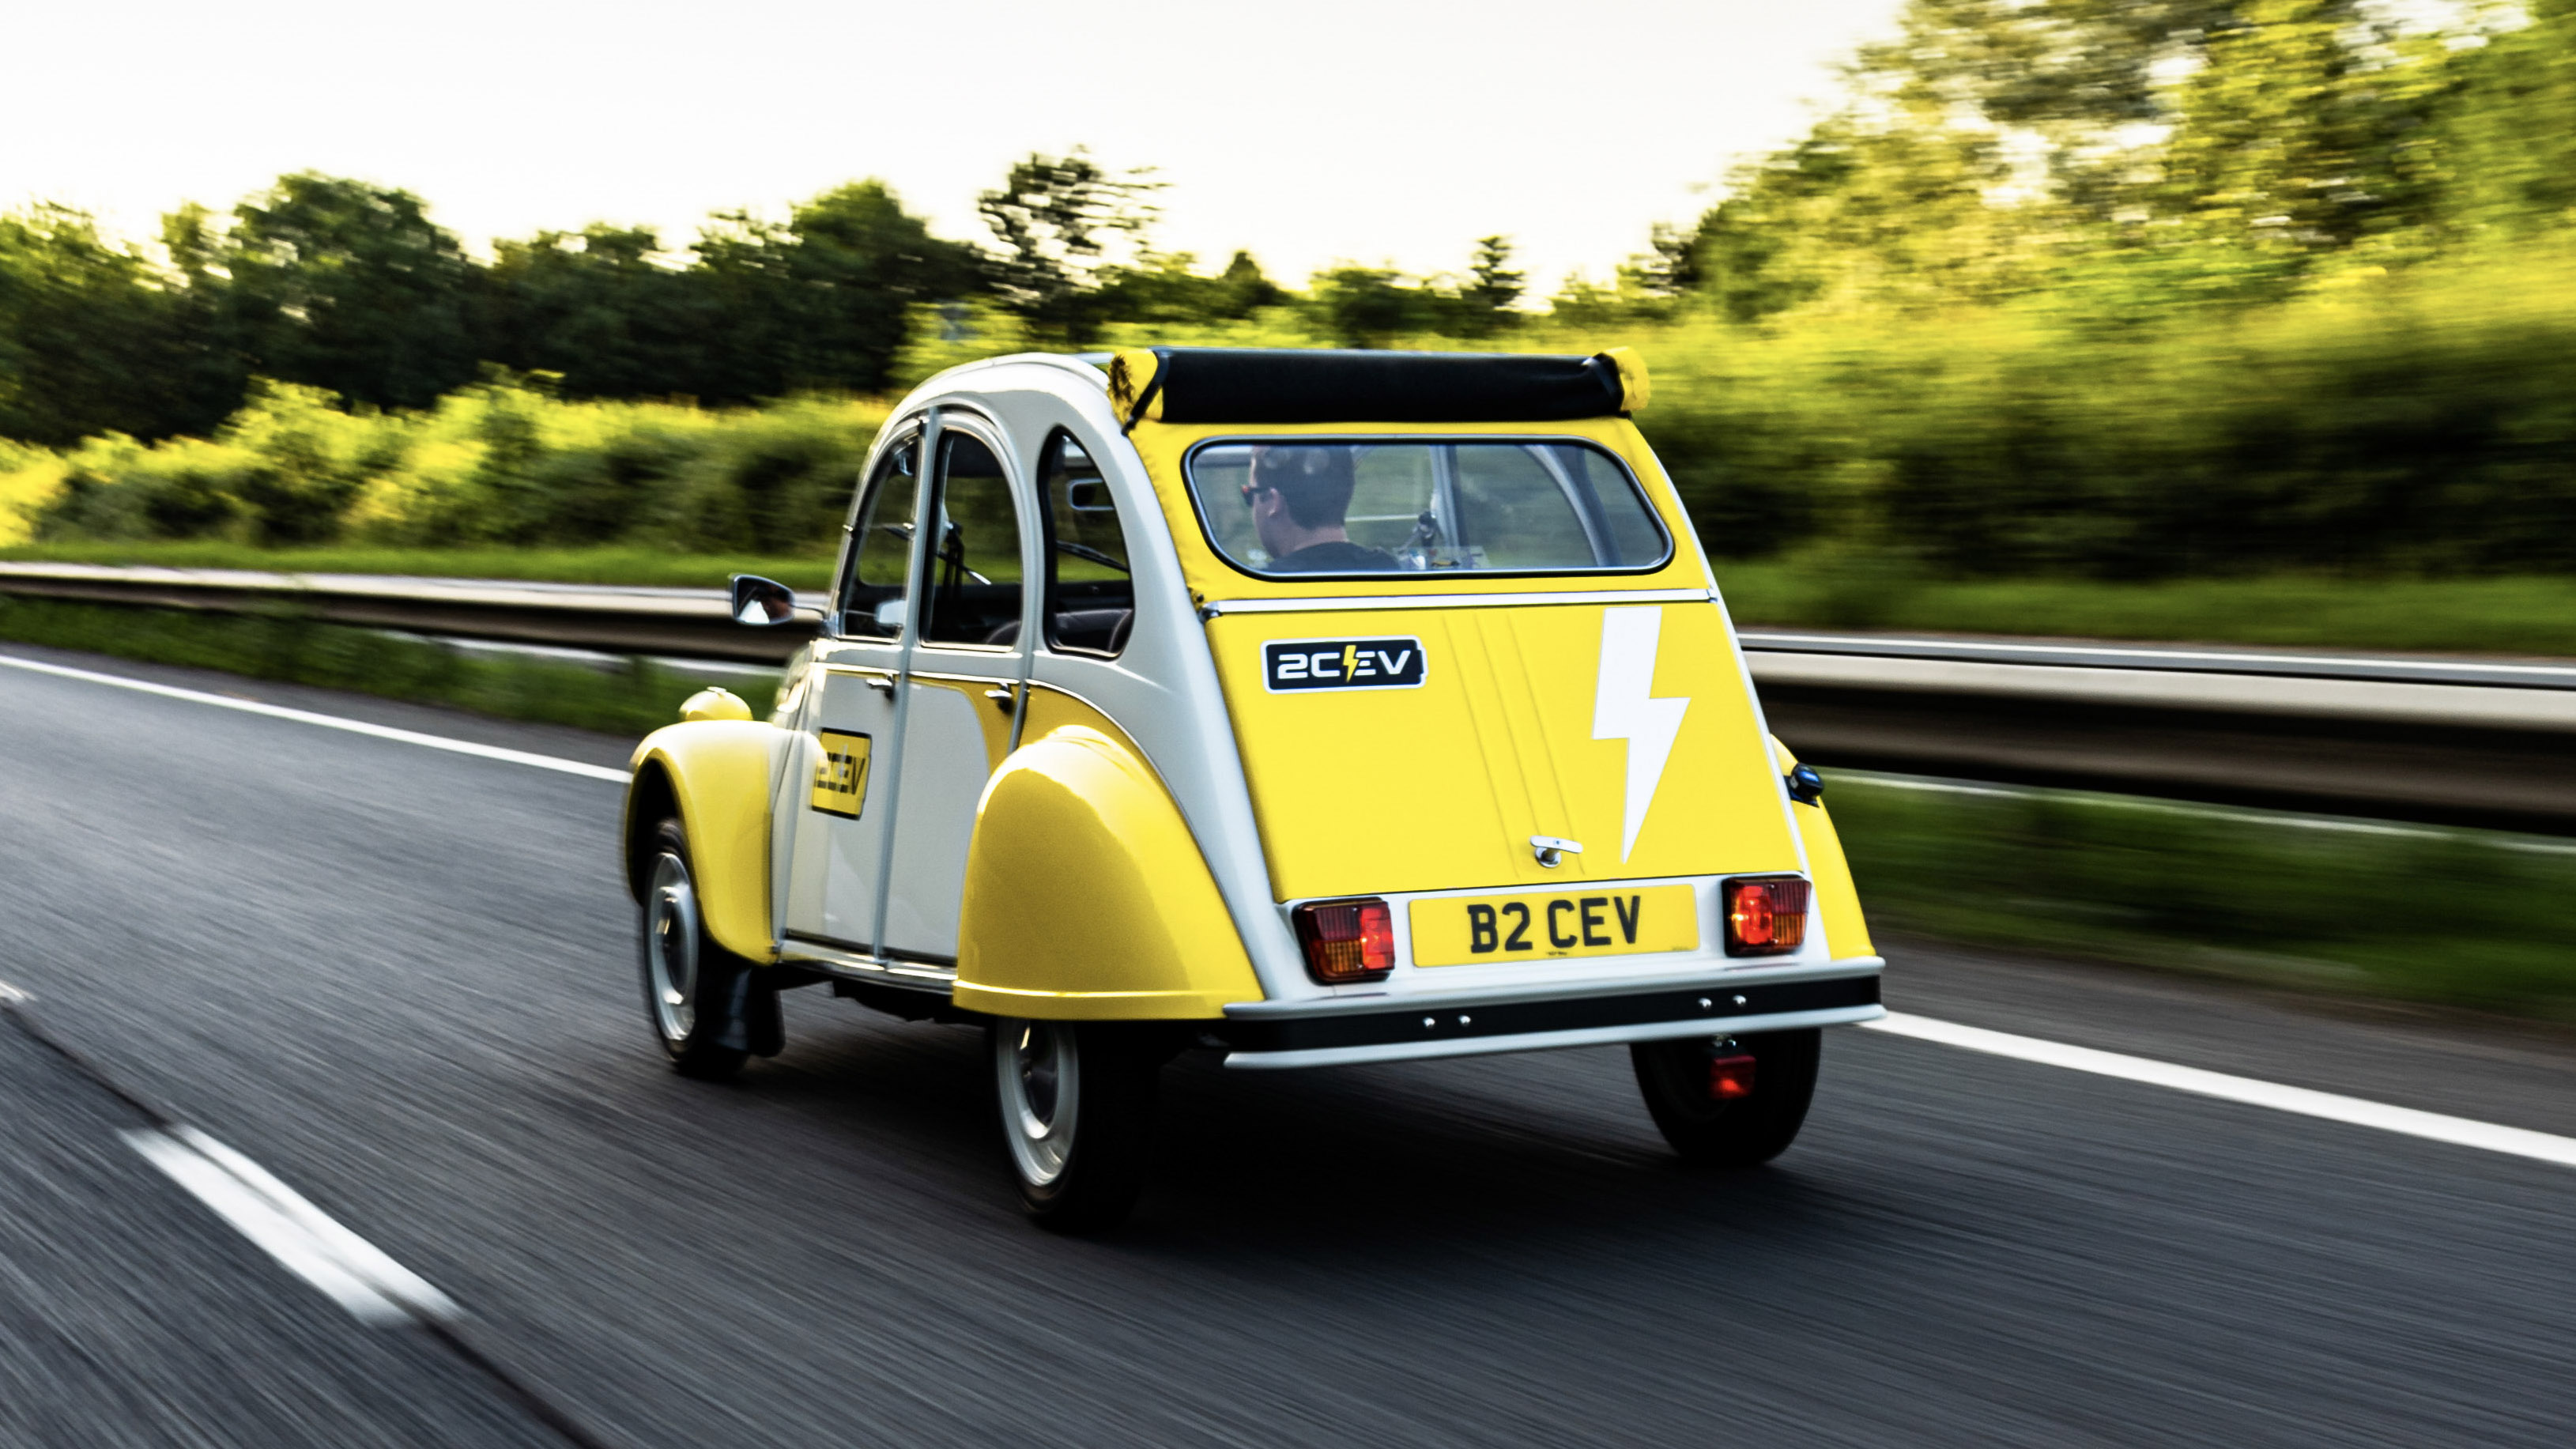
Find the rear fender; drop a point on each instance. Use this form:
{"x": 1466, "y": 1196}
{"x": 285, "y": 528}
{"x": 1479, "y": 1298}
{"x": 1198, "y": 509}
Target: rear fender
{"x": 1837, "y": 899}
{"x": 716, "y": 775}
{"x": 1086, "y": 895}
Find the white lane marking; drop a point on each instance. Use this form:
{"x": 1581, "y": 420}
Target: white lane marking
{"x": 328, "y": 721}
{"x": 355, "y": 1273}
{"x": 2432, "y": 1126}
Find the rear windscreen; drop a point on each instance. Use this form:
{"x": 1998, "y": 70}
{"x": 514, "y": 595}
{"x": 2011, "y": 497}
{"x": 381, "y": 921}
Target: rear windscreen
{"x": 1352, "y": 506}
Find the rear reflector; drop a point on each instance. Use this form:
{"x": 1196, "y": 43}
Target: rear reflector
{"x": 1346, "y": 941}
{"x": 1765, "y": 917}
{"x": 1730, "y": 1077}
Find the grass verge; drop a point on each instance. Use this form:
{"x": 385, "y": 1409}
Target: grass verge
{"x": 631, "y": 698}
{"x": 2526, "y": 615}
{"x": 2469, "y": 918}
{"x": 639, "y": 566}
{"x": 2522, "y": 615}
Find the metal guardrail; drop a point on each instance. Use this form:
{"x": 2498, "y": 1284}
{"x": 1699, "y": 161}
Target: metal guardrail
{"x": 2468, "y": 741}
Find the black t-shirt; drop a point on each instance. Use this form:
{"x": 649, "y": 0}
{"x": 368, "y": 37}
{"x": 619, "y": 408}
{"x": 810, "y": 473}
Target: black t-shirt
{"x": 1337, "y": 557}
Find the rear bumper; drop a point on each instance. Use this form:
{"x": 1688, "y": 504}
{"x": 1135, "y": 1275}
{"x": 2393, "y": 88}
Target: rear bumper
{"x": 1385, "y": 1032}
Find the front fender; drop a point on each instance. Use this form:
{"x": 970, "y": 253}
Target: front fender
{"x": 1087, "y": 897}
{"x": 715, "y": 775}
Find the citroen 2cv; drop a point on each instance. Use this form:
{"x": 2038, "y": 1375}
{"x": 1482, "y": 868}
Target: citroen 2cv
{"x": 1308, "y": 707}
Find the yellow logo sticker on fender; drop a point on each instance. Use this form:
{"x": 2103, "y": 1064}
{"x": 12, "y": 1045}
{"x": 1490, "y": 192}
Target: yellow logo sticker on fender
{"x": 1606, "y": 921}
{"x": 841, "y": 775}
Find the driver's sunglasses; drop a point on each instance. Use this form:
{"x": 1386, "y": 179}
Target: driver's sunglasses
{"x": 1255, "y": 490}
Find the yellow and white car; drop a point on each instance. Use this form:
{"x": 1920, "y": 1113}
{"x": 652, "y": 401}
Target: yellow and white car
{"x": 1308, "y": 707}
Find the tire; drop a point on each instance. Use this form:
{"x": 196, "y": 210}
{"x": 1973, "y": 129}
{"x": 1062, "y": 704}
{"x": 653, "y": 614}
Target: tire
{"x": 699, "y": 997}
{"x": 1742, "y": 1132}
{"x": 1077, "y": 1115}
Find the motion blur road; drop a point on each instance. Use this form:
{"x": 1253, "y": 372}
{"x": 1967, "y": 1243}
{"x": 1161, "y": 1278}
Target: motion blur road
{"x": 402, "y": 981}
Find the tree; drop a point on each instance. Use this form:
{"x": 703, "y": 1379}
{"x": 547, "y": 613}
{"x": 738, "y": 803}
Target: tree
{"x": 95, "y": 339}
{"x": 1493, "y": 286}
{"x": 597, "y": 308}
{"x": 1054, "y": 218}
{"x": 350, "y": 287}
{"x": 2293, "y": 137}
{"x": 1367, "y": 306}
{"x": 820, "y": 301}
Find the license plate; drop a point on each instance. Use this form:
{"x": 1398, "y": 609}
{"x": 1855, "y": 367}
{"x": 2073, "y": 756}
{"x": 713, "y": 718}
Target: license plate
{"x": 1470, "y": 930}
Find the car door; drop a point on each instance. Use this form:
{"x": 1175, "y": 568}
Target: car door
{"x": 965, "y": 678}
{"x": 846, "y": 793}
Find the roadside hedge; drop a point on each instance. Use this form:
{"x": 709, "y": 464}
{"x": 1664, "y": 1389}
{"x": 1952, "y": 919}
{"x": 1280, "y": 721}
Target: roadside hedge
{"x": 2422, "y": 424}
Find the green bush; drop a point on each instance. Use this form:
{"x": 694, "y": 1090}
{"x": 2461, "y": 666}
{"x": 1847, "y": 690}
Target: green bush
{"x": 2460, "y": 917}
{"x": 499, "y": 463}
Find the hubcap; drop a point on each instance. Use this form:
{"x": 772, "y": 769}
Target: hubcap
{"x": 671, "y": 948}
{"x": 1041, "y": 1082}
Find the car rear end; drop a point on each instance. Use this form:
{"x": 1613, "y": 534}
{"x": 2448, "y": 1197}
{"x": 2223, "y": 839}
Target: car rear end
{"x": 1512, "y": 784}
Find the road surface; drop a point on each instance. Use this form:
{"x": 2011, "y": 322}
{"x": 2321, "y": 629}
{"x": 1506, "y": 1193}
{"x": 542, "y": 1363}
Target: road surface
{"x": 401, "y": 980}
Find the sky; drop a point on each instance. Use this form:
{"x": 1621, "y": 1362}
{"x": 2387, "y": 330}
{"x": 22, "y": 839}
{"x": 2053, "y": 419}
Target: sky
{"x": 1311, "y": 132}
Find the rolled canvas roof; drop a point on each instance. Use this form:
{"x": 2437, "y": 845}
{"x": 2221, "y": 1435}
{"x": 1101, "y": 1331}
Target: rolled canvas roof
{"x": 1280, "y": 385}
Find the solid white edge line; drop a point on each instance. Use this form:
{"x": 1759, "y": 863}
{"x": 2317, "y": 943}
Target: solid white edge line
{"x": 259, "y": 1220}
{"x": 2406, "y": 1121}
{"x": 327, "y": 721}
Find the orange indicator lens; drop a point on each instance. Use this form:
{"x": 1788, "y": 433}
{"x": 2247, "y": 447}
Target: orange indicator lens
{"x": 1346, "y": 941}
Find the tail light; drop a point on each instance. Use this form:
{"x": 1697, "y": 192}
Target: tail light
{"x": 1346, "y": 941}
{"x": 1730, "y": 1074}
{"x": 1765, "y": 917}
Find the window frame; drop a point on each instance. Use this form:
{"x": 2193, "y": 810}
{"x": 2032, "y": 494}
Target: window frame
{"x": 934, "y": 482}
{"x": 1038, "y": 485}
{"x": 914, "y": 430}
{"x": 1590, "y": 525}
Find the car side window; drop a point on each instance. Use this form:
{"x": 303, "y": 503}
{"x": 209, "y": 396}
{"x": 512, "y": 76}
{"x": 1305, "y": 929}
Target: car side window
{"x": 1091, "y": 599}
{"x": 873, "y": 601}
{"x": 975, "y": 580}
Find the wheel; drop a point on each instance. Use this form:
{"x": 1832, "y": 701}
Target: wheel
{"x": 700, "y": 997}
{"x": 1697, "y": 1091}
{"x": 1077, "y": 1102}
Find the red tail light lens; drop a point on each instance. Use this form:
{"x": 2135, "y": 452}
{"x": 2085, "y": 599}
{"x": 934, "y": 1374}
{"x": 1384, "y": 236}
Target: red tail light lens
{"x": 1730, "y": 1076}
{"x": 1346, "y": 941}
{"x": 1765, "y": 917}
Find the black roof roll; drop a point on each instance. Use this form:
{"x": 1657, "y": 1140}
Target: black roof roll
{"x": 1280, "y": 385}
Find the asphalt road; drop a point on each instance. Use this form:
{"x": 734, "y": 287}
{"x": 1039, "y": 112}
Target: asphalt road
{"x": 402, "y": 981}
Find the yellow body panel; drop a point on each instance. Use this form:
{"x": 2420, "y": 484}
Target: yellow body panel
{"x": 1086, "y": 896}
{"x": 719, "y": 772}
{"x": 1837, "y": 899}
{"x": 1440, "y": 787}
{"x": 1611, "y": 920}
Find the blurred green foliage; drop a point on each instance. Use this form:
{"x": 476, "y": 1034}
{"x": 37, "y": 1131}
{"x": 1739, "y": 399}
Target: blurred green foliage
{"x": 497, "y": 463}
{"x": 632, "y": 697}
{"x": 2459, "y": 917}
{"x": 2112, "y": 289}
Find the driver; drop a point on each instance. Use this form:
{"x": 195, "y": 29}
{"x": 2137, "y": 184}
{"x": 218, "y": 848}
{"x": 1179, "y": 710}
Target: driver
{"x": 1299, "y": 496}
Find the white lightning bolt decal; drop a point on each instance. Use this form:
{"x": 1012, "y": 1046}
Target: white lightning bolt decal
{"x": 1623, "y": 709}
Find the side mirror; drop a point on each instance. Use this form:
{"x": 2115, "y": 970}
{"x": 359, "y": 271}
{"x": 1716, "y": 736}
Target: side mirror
{"x": 1089, "y": 495}
{"x": 1806, "y": 786}
{"x": 762, "y": 602}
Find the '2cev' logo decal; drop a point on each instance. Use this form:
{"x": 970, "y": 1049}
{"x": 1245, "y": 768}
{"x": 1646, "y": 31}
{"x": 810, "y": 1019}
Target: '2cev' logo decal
{"x": 1288, "y": 664}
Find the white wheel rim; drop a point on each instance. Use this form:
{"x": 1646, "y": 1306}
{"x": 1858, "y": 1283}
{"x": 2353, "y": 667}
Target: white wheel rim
{"x": 1041, "y": 1081}
{"x": 671, "y": 948}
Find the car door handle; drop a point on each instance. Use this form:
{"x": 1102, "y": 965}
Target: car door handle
{"x": 880, "y": 681}
{"x": 1003, "y": 697}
